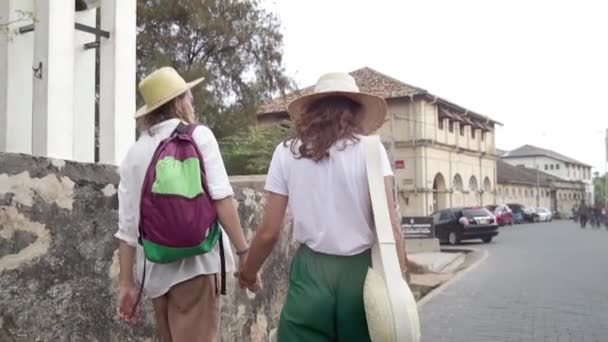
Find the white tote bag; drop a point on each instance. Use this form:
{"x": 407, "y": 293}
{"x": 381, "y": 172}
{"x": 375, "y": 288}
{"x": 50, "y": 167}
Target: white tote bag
{"x": 390, "y": 306}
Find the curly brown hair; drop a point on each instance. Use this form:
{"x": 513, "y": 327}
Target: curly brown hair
{"x": 325, "y": 122}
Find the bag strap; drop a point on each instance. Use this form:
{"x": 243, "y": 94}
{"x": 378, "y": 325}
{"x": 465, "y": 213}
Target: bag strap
{"x": 188, "y": 129}
{"x": 382, "y": 220}
{"x": 384, "y": 251}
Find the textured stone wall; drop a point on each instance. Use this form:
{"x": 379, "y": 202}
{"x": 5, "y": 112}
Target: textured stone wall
{"x": 59, "y": 262}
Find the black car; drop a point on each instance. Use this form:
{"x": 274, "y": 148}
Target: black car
{"x": 459, "y": 224}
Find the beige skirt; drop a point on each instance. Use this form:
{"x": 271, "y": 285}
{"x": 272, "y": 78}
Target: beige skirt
{"x": 189, "y": 312}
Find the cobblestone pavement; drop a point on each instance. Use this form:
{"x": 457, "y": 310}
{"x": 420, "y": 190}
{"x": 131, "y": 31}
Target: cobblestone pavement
{"x": 541, "y": 282}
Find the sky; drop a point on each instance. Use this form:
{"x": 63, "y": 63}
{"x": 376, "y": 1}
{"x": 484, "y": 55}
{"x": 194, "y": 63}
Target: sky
{"x": 540, "y": 67}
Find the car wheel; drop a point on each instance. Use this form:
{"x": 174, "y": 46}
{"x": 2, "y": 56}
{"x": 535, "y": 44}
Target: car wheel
{"x": 453, "y": 238}
{"x": 536, "y": 219}
{"x": 487, "y": 239}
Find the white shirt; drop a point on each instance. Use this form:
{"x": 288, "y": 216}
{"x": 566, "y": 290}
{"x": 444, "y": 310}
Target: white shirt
{"x": 329, "y": 200}
{"x": 161, "y": 277}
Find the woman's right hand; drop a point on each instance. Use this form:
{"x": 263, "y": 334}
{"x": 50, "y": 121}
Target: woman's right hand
{"x": 251, "y": 282}
{"x": 127, "y": 297}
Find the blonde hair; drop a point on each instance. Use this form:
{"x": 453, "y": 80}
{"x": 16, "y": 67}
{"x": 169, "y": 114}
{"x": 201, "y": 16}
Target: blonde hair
{"x": 181, "y": 107}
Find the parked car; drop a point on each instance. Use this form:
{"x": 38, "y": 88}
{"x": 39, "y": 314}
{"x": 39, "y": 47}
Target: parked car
{"x": 517, "y": 211}
{"x": 459, "y": 224}
{"x": 504, "y": 215}
{"x": 530, "y": 214}
{"x": 543, "y": 215}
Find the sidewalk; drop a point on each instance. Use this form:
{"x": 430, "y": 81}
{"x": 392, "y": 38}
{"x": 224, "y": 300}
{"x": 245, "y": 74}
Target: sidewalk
{"x": 433, "y": 269}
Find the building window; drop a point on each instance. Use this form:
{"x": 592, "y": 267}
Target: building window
{"x": 451, "y": 126}
{"x": 473, "y": 184}
{"x": 546, "y": 167}
{"x": 557, "y": 166}
{"x": 458, "y": 186}
{"x": 483, "y": 136}
{"x": 461, "y": 130}
{"x": 552, "y": 166}
{"x": 472, "y": 132}
{"x": 440, "y": 123}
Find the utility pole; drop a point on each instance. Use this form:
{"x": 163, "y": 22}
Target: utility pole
{"x": 606, "y": 174}
{"x": 537, "y": 183}
{"x": 392, "y": 149}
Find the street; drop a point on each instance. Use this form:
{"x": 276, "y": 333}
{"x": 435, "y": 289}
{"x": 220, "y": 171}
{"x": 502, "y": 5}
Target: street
{"x": 540, "y": 282}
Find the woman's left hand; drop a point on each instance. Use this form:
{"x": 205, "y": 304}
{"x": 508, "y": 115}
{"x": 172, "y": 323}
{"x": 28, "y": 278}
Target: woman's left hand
{"x": 252, "y": 282}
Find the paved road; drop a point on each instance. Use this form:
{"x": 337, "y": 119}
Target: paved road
{"x": 542, "y": 282}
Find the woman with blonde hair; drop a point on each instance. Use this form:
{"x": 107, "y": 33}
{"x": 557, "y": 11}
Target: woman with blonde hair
{"x": 320, "y": 174}
{"x": 183, "y": 281}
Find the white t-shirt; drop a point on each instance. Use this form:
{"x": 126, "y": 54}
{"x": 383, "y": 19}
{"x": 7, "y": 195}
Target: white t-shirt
{"x": 161, "y": 277}
{"x": 329, "y": 200}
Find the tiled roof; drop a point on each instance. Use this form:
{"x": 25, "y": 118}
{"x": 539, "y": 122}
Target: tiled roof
{"x": 500, "y": 152}
{"x": 531, "y": 151}
{"x": 376, "y": 83}
{"x": 507, "y": 174}
{"x": 369, "y": 81}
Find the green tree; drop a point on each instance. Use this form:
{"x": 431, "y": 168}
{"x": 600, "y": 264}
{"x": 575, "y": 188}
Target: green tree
{"x": 250, "y": 152}
{"x": 599, "y": 187}
{"x": 235, "y": 45}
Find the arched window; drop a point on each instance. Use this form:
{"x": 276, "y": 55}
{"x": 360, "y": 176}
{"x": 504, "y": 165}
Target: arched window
{"x": 457, "y": 183}
{"x": 487, "y": 185}
{"x": 473, "y": 184}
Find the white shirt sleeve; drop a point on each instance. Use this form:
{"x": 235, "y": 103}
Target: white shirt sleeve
{"x": 217, "y": 177}
{"x": 386, "y": 164}
{"x": 275, "y": 179}
{"x": 128, "y": 204}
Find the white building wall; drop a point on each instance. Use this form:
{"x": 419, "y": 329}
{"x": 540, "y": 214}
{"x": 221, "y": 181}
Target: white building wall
{"x": 16, "y": 57}
{"x": 59, "y": 120}
{"x": 84, "y": 91}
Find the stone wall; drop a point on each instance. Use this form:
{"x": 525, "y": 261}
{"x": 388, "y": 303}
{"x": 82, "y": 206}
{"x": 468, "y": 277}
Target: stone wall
{"x": 59, "y": 260}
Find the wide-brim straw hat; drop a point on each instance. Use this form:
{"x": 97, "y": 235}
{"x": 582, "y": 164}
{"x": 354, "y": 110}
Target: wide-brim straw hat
{"x": 373, "y": 108}
{"x": 160, "y": 87}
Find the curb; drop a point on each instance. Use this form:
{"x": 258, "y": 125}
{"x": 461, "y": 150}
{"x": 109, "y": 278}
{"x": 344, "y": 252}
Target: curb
{"x": 482, "y": 257}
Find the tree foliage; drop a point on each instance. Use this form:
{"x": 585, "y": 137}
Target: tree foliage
{"x": 250, "y": 152}
{"x": 599, "y": 187}
{"x": 235, "y": 45}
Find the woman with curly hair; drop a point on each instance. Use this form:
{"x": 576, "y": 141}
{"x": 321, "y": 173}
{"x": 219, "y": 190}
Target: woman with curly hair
{"x": 320, "y": 174}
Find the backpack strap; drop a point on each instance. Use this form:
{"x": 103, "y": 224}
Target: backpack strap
{"x": 188, "y": 129}
{"x": 183, "y": 128}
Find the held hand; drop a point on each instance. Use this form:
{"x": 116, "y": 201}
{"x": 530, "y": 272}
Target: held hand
{"x": 126, "y": 300}
{"x": 251, "y": 282}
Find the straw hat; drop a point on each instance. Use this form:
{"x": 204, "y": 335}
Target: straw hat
{"x": 373, "y": 107}
{"x": 160, "y": 87}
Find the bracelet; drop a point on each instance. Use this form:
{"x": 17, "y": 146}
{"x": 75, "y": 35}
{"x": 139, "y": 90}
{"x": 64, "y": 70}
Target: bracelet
{"x": 243, "y": 252}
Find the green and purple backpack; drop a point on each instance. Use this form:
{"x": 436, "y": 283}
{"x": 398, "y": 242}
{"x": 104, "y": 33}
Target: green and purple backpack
{"x": 177, "y": 216}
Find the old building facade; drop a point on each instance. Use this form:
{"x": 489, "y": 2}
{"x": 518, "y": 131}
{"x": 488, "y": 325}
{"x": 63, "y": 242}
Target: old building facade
{"x": 553, "y": 163}
{"x": 536, "y": 188}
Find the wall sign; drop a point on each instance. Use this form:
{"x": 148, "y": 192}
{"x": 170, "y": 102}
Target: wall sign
{"x": 418, "y": 227}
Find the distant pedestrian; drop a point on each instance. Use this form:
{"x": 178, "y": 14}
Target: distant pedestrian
{"x": 169, "y": 211}
{"x": 583, "y": 214}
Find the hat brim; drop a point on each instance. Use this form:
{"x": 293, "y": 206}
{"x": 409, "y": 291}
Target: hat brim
{"x": 144, "y": 110}
{"x": 373, "y": 108}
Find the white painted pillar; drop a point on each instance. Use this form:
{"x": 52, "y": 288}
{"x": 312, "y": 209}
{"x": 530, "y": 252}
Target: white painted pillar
{"x": 84, "y": 91}
{"x": 117, "y": 80}
{"x": 53, "y": 96}
{"x": 16, "y": 55}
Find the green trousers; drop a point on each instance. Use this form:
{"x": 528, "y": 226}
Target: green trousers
{"x": 325, "y": 298}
